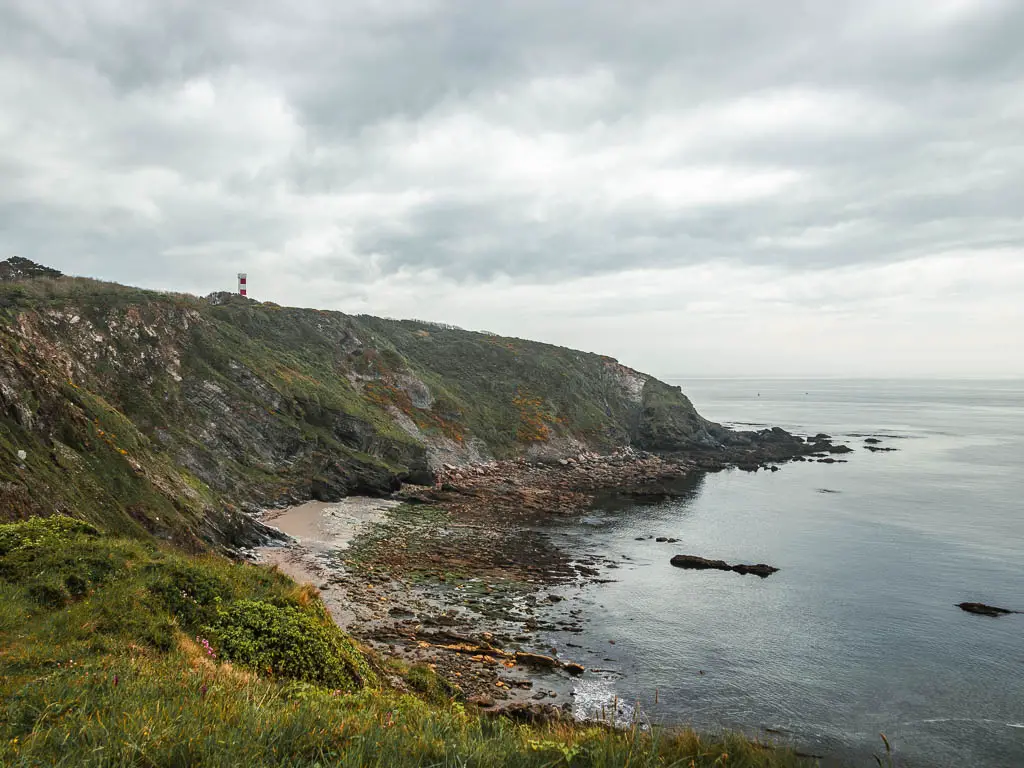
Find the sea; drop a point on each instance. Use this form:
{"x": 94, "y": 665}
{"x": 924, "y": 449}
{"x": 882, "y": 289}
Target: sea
{"x": 858, "y": 633}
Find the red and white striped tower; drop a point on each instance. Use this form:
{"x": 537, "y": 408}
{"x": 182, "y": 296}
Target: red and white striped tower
{"x": 241, "y": 284}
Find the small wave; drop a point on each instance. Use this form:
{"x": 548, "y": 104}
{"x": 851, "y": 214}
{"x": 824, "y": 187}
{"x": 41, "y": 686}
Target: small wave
{"x": 596, "y": 700}
{"x": 966, "y": 720}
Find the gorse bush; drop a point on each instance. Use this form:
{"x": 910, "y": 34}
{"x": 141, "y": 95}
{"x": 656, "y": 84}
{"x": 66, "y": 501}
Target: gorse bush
{"x": 290, "y": 642}
{"x": 190, "y": 592}
{"x": 50, "y": 532}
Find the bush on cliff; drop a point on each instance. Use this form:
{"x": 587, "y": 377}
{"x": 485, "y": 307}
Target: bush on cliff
{"x": 291, "y": 643}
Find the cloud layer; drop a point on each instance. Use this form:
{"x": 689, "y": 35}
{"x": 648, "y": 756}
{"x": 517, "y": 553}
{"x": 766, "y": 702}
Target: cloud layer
{"x": 728, "y": 188}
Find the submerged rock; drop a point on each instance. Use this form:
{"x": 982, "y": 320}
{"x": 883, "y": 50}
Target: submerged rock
{"x": 694, "y": 562}
{"x": 984, "y": 610}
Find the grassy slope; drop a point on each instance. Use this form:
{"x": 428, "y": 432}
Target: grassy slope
{"x": 103, "y": 663}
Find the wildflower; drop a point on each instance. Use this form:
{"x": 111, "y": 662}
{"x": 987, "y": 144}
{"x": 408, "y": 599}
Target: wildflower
{"x": 116, "y": 679}
{"x": 206, "y": 646}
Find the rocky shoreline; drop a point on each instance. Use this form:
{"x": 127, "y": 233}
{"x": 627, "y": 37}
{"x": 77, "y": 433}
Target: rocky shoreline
{"x": 463, "y": 576}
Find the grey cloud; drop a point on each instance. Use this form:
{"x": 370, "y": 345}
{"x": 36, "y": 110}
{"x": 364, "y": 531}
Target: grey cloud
{"x": 361, "y": 83}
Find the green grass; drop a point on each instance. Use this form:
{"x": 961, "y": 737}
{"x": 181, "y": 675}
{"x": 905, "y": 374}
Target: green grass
{"x": 115, "y": 652}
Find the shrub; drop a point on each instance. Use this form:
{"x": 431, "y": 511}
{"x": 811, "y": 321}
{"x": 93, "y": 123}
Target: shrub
{"x": 434, "y": 688}
{"x": 190, "y": 591}
{"x": 292, "y": 643}
{"x": 48, "y": 594}
{"x": 57, "y": 559}
{"x": 42, "y": 532}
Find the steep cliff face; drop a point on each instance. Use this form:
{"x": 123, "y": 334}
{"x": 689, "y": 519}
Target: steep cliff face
{"x": 170, "y": 413}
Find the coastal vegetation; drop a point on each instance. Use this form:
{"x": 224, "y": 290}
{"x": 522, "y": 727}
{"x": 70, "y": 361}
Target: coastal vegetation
{"x": 123, "y": 652}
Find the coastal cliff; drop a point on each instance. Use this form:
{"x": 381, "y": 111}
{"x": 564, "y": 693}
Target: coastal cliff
{"x": 170, "y": 414}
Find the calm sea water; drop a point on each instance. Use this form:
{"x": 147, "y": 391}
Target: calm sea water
{"x": 858, "y": 632}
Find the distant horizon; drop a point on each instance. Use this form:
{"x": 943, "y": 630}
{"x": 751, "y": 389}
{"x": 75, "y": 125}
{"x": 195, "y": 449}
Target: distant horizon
{"x": 919, "y": 377}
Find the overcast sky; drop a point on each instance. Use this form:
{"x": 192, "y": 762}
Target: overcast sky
{"x": 697, "y": 188}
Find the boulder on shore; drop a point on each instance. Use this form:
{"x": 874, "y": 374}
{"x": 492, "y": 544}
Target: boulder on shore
{"x": 694, "y": 562}
{"x": 984, "y": 610}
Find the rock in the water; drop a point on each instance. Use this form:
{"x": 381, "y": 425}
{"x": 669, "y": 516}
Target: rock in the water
{"x": 840, "y": 449}
{"x": 984, "y": 610}
{"x": 759, "y": 569}
{"x": 702, "y": 563}
{"x": 699, "y": 563}
{"x": 872, "y": 440}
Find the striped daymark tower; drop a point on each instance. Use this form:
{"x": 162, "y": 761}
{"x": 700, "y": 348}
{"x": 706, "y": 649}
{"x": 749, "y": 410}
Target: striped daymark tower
{"x": 242, "y": 290}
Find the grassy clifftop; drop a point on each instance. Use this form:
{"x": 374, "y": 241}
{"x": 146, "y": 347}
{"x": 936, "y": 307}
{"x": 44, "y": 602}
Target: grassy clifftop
{"x": 168, "y": 414}
{"x": 116, "y": 652}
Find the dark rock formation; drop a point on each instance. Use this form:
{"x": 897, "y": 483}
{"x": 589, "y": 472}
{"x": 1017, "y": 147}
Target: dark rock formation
{"x": 984, "y": 610}
{"x": 694, "y": 562}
